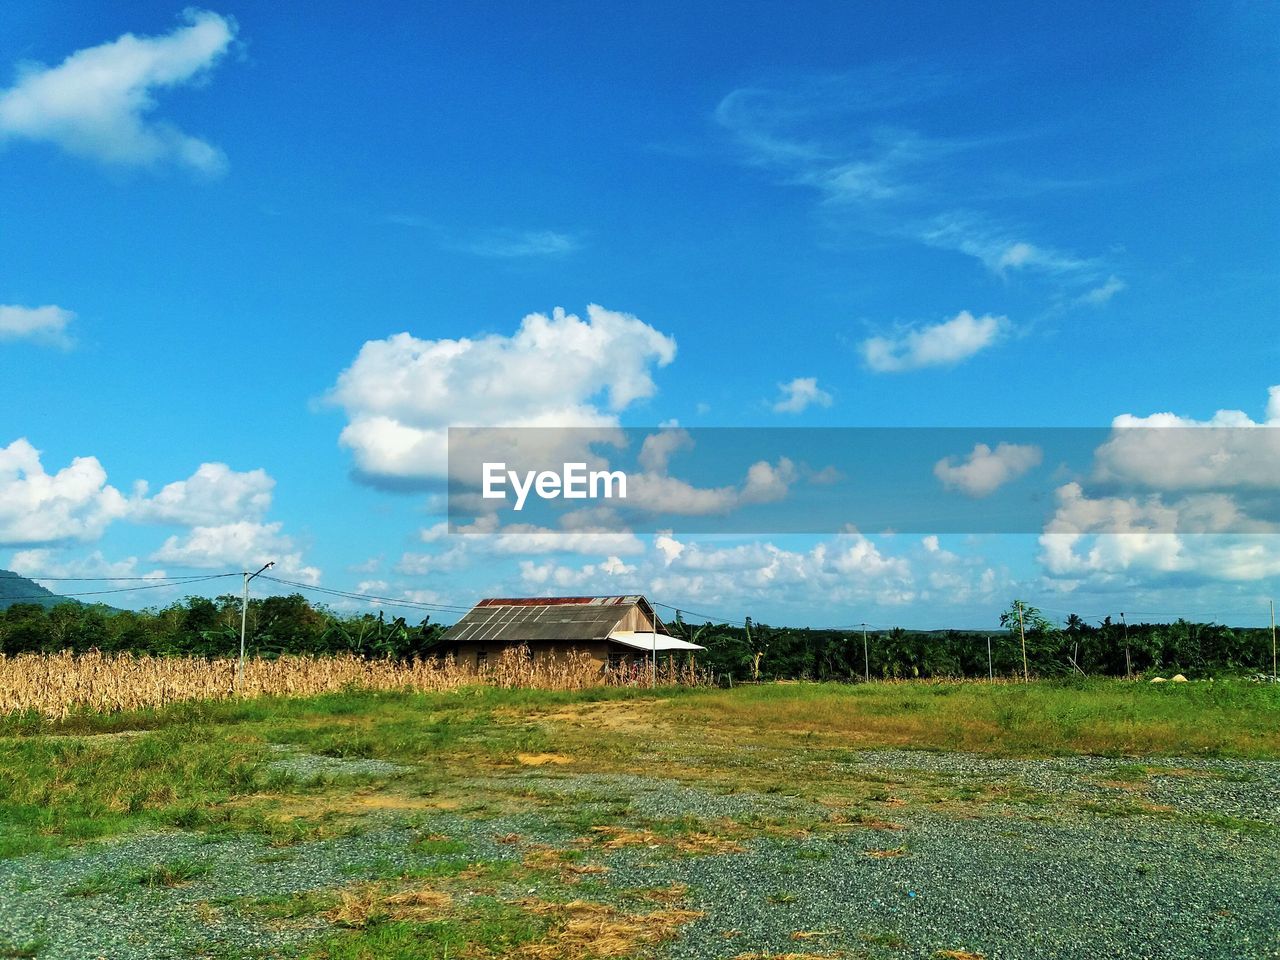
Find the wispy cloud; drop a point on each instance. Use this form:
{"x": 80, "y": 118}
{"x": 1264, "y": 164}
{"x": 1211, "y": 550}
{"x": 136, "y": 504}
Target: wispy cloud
{"x": 97, "y": 102}
{"x": 498, "y": 242}
{"x": 998, "y": 248}
{"x": 1101, "y": 294}
{"x": 843, "y": 137}
{"x": 521, "y": 243}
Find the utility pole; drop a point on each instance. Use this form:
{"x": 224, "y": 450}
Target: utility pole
{"x": 1273, "y": 641}
{"x": 990, "y": 673}
{"x": 1128, "y": 664}
{"x": 867, "y": 657}
{"x": 244, "y": 619}
{"x": 654, "y": 684}
{"x": 1022, "y": 632}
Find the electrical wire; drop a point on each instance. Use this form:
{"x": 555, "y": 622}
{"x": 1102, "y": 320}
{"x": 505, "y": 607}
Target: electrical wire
{"x": 36, "y": 576}
{"x": 705, "y": 616}
{"x": 98, "y": 593}
{"x": 350, "y": 595}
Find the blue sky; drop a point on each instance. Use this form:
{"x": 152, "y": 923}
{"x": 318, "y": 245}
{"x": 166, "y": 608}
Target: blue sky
{"x": 809, "y": 215}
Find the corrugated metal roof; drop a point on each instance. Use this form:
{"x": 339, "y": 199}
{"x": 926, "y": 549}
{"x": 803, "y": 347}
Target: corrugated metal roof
{"x": 499, "y": 620}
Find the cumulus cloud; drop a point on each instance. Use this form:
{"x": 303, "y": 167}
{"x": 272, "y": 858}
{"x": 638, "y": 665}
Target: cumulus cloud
{"x": 484, "y": 536}
{"x": 550, "y": 577}
{"x": 1165, "y": 451}
{"x": 935, "y": 345}
{"x": 75, "y": 503}
{"x": 212, "y": 495}
{"x": 658, "y": 448}
{"x": 659, "y": 493}
{"x": 1187, "y": 524}
{"x": 47, "y": 324}
{"x": 240, "y": 545}
{"x": 800, "y": 394}
{"x": 52, "y": 563}
{"x": 986, "y": 470}
{"x": 403, "y": 393}
{"x": 98, "y": 102}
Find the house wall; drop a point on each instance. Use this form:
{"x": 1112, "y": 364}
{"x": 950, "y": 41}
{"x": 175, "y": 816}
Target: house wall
{"x": 597, "y": 650}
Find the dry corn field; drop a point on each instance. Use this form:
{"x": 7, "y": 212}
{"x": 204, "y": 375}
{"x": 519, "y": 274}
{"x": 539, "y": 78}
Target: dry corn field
{"x": 57, "y": 685}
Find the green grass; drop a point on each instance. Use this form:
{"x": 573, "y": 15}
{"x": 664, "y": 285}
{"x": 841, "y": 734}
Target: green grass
{"x": 175, "y": 873}
{"x": 16, "y": 950}
{"x": 1101, "y": 717}
{"x": 490, "y": 926}
{"x": 203, "y": 766}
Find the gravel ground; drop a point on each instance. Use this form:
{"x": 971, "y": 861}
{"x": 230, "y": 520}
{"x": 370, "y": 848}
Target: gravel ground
{"x": 1006, "y": 889}
{"x": 1058, "y": 883}
{"x": 1246, "y": 789}
{"x": 308, "y": 767}
{"x": 666, "y": 799}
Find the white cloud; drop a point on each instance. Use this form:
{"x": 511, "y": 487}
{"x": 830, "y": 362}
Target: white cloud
{"x": 541, "y": 576}
{"x": 239, "y": 545}
{"x": 986, "y": 470}
{"x": 849, "y": 568}
{"x": 940, "y": 344}
{"x": 1165, "y": 451}
{"x": 76, "y": 503}
{"x": 1188, "y": 526}
{"x": 658, "y": 448}
{"x": 660, "y": 493}
{"x": 800, "y": 394}
{"x": 97, "y": 102}
{"x": 402, "y": 394}
{"x": 483, "y": 537}
{"x": 214, "y": 494}
{"x": 47, "y": 324}
{"x": 52, "y": 563}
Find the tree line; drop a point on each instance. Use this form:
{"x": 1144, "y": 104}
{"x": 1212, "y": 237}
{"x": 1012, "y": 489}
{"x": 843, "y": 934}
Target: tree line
{"x": 205, "y": 627}
{"x": 759, "y": 651}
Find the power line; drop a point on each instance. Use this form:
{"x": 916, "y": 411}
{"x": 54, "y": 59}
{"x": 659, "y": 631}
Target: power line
{"x": 705, "y": 616}
{"x": 36, "y": 576}
{"x": 98, "y": 593}
{"x": 393, "y": 601}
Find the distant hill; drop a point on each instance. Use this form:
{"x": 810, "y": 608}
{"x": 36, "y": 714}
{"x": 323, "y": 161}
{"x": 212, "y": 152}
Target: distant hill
{"x": 18, "y": 589}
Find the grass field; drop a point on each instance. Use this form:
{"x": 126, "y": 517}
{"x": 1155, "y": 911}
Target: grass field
{"x": 880, "y": 820}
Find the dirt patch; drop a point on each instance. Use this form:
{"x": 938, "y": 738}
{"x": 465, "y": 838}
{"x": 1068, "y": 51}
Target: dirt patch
{"x": 617, "y": 715}
{"x": 286, "y": 807}
{"x": 359, "y": 906}
{"x": 542, "y": 759}
{"x": 581, "y": 929}
{"x": 617, "y": 838}
{"x": 886, "y": 854}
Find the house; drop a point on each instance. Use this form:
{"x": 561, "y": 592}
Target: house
{"x": 613, "y": 631}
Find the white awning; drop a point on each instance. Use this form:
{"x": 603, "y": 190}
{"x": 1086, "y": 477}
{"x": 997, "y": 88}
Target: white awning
{"x": 651, "y": 641}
